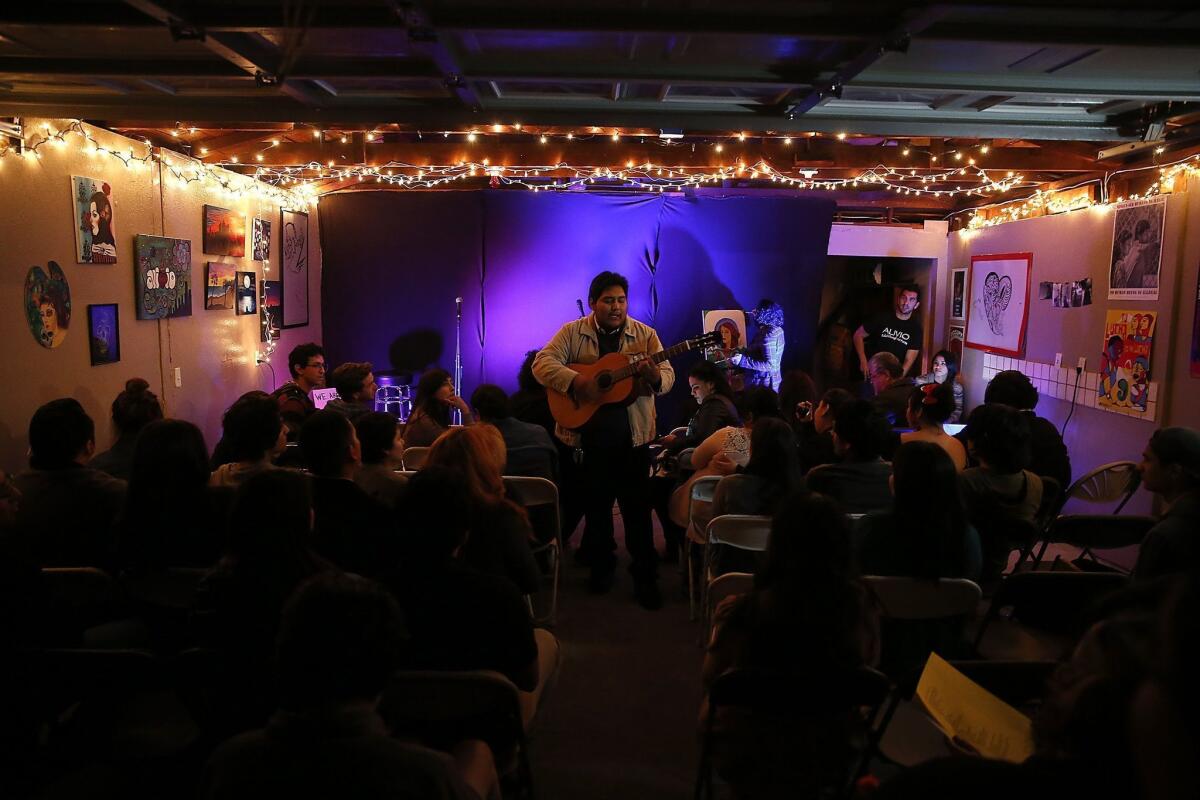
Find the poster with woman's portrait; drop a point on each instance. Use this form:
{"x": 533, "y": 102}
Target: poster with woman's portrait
{"x": 48, "y": 304}
{"x": 731, "y": 324}
{"x": 95, "y": 240}
{"x": 1133, "y": 271}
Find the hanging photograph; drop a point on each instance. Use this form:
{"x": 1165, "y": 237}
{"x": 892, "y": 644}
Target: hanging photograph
{"x": 247, "y": 293}
{"x": 1137, "y": 249}
{"x": 163, "y": 277}
{"x": 48, "y": 304}
{"x": 957, "y": 334}
{"x": 998, "y": 302}
{"x": 272, "y": 309}
{"x": 219, "y": 287}
{"x": 224, "y": 232}
{"x": 293, "y": 230}
{"x": 104, "y": 334}
{"x": 262, "y": 239}
{"x": 1125, "y": 360}
{"x": 95, "y": 242}
{"x": 958, "y": 294}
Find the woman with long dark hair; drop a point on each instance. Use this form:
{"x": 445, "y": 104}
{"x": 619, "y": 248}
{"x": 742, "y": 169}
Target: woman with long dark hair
{"x": 133, "y": 409}
{"x": 710, "y": 389}
{"x": 432, "y": 405}
{"x": 945, "y": 372}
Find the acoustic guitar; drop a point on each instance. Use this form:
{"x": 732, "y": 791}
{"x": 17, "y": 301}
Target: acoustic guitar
{"x": 615, "y": 376}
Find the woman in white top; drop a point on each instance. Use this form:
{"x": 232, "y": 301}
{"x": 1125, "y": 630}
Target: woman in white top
{"x": 929, "y": 406}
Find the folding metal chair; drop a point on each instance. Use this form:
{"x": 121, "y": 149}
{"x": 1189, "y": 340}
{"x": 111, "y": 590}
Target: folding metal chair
{"x": 743, "y": 531}
{"x": 702, "y": 491}
{"x": 414, "y": 457}
{"x": 1107, "y": 483}
{"x": 915, "y": 599}
{"x": 722, "y": 586}
{"x": 539, "y": 493}
{"x": 76, "y": 599}
{"x": 1091, "y": 532}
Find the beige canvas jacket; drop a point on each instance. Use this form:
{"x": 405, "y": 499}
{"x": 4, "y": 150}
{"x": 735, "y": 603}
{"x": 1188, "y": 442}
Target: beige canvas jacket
{"x": 577, "y": 343}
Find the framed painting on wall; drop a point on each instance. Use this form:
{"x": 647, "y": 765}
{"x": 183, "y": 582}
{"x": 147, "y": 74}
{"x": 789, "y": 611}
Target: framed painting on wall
{"x": 104, "y": 334}
{"x": 998, "y": 302}
{"x": 293, "y": 230}
{"x": 272, "y": 310}
{"x": 224, "y": 232}
{"x": 262, "y": 239}
{"x": 218, "y": 287}
{"x": 247, "y": 293}
{"x": 95, "y": 238}
{"x": 955, "y": 345}
{"x": 162, "y": 278}
{"x": 958, "y": 294}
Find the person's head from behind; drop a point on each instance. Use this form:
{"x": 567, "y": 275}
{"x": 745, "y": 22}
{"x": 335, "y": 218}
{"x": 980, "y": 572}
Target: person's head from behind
{"x": 380, "y": 438}
{"x": 826, "y": 411}
{"x": 434, "y": 389}
{"x": 706, "y": 379}
{"x": 809, "y": 545}
{"x": 768, "y": 312}
{"x": 306, "y": 363}
{"x": 907, "y": 300}
{"x": 928, "y": 507}
{"x": 756, "y": 403}
{"x": 526, "y": 382}
{"x": 608, "y": 299}
{"x": 271, "y": 519}
{"x": 435, "y": 514}
{"x": 169, "y": 458}
{"x": 340, "y": 639}
{"x": 884, "y": 368}
{"x": 945, "y": 366}
{"x": 354, "y": 381}
{"x": 1012, "y": 388}
{"x": 797, "y": 395}
{"x": 252, "y": 427}
{"x": 330, "y": 445}
{"x": 135, "y": 407}
{"x": 773, "y": 454}
{"x": 860, "y": 433}
{"x": 930, "y": 404}
{"x": 476, "y": 452}
{"x": 490, "y": 403}
{"x": 998, "y": 436}
{"x": 1170, "y": 463}
{"x": 61, "y": 435}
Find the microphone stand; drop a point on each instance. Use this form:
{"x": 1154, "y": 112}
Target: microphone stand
{"x": 456, "y": 413}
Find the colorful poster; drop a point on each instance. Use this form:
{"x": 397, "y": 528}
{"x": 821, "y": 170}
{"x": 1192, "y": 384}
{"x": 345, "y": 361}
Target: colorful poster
{"x": 998, "y": 302}
{"x": 163, "y": 277}
{"x": 48, "y": 304}
{"x": 958, "y": 294}
{"x": 95, "y": 240}
{"x": 218, "y": 289}
{"x": 224, "y": 232}
{"x": 1195, "y": 369}
{"x": 957, "y": 335}
{"x": 1137, "y": 249}
{"x": 104, "y": 332}
{"x": 1125, "y": 362}
{"x": 731, "y": 324}
{"x": 272, "y": 309}
{"x": 262, "y": 239}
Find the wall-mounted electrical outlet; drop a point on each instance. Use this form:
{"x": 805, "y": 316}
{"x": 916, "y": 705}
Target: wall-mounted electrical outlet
{"x": 1057, "y": 360}
{"x": 178, "y": 378}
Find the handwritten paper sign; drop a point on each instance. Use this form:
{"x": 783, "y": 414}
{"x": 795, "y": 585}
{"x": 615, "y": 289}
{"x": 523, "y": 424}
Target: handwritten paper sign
{"x": 322, "y": 396}
{"x": 964, "y": 709}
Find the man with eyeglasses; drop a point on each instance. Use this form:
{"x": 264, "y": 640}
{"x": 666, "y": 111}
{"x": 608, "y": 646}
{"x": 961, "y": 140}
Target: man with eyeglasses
{"x": 306, "y": 363}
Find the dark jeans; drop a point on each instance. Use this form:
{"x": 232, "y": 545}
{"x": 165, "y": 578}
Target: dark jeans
{"x": 570, "y": 490}
{"x": 623, "y": 474}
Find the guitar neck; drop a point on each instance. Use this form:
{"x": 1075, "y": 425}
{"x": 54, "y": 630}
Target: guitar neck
{"x": 657, "y": 358}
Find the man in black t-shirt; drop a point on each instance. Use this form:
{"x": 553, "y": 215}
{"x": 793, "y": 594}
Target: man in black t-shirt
{"x": 896, "y": 332}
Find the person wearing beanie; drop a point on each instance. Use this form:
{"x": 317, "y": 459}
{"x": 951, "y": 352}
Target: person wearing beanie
{"x": 1170, "y": 468}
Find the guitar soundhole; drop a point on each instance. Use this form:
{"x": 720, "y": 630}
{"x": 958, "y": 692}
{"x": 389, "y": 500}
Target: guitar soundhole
{"x": 604, "y": 381}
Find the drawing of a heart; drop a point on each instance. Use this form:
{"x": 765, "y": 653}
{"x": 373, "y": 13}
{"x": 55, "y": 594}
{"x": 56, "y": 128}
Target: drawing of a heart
{"x": 997, "y": 293}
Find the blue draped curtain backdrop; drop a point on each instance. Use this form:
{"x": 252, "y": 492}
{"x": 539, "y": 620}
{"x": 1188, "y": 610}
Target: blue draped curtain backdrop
{"x": 393, "y": 263}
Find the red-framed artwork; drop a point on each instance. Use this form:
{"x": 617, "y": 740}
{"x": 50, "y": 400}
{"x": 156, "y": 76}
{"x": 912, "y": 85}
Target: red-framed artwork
{"x": 998, "y": 302}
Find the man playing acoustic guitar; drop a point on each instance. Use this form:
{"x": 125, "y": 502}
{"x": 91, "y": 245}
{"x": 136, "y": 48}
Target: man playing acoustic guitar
{"x": 614, "y": 442}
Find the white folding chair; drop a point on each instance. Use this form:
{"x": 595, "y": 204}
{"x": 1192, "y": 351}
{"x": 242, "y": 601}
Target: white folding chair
{"x": 1107, "y": 483}
{"x": 743, "y": 531}
{"x": 414, "y": 457}
{"x": 702, "y": 491}
{"x": 532, "y": 492}
{"x": 722, "y": 586}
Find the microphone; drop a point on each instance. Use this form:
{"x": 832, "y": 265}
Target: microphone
{"x": 458, "y": 306}
{"x": 579, "y": 305}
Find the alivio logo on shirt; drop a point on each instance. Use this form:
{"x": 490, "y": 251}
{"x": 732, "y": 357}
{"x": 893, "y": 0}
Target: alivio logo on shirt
{"x": 895, "y": 335}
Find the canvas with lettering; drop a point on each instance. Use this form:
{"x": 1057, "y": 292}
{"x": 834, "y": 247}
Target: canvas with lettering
{"x": 1125, "y": 360}
{"x": 163, "y": 277}
{"x": 1137, "y": 249}
{"x": 224, "y": 232}
{"x": 95, "y": 233}
{"x": 998, "y": 302}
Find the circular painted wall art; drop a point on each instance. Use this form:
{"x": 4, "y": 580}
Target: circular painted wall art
{"x": 48, "y": 304}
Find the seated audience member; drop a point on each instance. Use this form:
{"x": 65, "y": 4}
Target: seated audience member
{"x": 529, "y": 403}
{"x": 67, "y": 509}
{"x": 929, "y": 407}
{"x": 355, "y": 384}
{"x": 1170, "y": 468}
{"x": 462, "y": 618}
{"x": 945, "y": 371}
{"x": 535, "y": 453}
{"x": 1048, "y": 454}
{"x": 135, "y": 408}
{"x": 253, "y": 434}
{"x": 382, "y": 443}
{"x": 770, "y": 477}
{"x": 306, "y": 363}
{"x": 710, "y": 389}
{"x": 891, "y": 387}
{"x": 729, "y": 446}
{"x": 172, "y": 517}
{"x": 1000, "y": 491}
{"x": 859, "y": 482}
{"x": 926, "y": 534}
{"x": 431, "y": 415}
{"x": 808, "y": 617}
{"x": 352, "y": 530}
{"x": 814, "y": 434}
{"x": 500, "y": 529}
{"x": 268, "y": 553}
{"x": 339, "y": 642}
{"x": 797, "y": 397}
